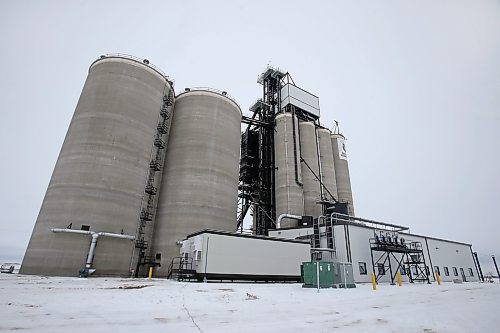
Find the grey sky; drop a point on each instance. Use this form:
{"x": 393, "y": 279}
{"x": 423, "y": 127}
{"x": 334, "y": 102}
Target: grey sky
{"x": 415, "y": 86}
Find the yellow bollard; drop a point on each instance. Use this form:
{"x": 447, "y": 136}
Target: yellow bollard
{"x": 400, "y": 282}
{"x": 374, "y": 281}
{"x": 438, "y": 278}
{"x": 150, "y": 275}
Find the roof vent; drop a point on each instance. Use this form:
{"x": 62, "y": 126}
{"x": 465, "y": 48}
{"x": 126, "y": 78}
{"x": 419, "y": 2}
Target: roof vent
{"x": 146, "y": 61}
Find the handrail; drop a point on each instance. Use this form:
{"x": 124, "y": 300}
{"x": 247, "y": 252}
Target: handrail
{"x": 217, "y": 91}
{"x": 136, "y": 59}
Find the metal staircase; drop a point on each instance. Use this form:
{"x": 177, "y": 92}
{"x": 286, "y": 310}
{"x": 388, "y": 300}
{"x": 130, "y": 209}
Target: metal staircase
{"x": 181, "y": 269}
{"x": 149, "y": 202}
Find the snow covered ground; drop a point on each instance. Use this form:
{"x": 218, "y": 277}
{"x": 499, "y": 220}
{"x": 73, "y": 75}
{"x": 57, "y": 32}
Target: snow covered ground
{"x": 50, "y": 304}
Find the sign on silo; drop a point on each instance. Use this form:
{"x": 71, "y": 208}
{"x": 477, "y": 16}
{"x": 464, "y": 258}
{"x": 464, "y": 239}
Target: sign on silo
{"x": 342, "y": 150}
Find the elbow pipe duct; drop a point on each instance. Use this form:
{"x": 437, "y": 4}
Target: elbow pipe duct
{"x": 290, "y": 216}
{"x": 93, "y": 243}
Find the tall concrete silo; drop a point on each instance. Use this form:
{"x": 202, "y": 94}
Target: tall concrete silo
{"x": 288, "y": 175}
{"x": 99, "y": 179}
{"x": 327, "y": 164}
{"x": 200, "y": 178}
{"x": 310, "y": 168}
{"x": 342, "y": 171}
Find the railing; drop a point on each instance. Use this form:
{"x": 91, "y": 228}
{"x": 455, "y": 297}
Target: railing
{"x": 178, "y": 265}
{"x": 136, "y": 59}
{"x": 217, "y": 91}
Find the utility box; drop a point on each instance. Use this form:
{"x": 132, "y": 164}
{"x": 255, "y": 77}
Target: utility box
{"x": 331, "y": 275}
{"x": 344, "y": 276}
{"x": 310, "y": 274}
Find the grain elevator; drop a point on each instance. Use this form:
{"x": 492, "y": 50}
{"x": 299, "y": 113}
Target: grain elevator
{"x": 153, "y": 181}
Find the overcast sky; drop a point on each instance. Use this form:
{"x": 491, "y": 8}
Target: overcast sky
{"x": 415, "y": 86}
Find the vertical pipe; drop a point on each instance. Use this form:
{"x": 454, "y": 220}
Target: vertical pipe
{"x": 349, "y": 254}
{"x": 317, "y": 274}
{"x": 430, "y": 259}
{"x": 495, "y": 262}
{"x": 318, "y": 162}
{"x": 90, "y": 256}
{"x": 345, "y": 277}
{"x": 373, "y": 270}
{"x": 390, "y": 268}
{"x": 206, "y": 260}
{"x": 474, "y": 254}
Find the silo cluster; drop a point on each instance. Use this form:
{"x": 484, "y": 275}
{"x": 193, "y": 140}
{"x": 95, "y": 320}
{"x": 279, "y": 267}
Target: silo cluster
{"x": 141, "y": 168}
{"x": 136, "y": 161}
{"x": 311, "y": 168}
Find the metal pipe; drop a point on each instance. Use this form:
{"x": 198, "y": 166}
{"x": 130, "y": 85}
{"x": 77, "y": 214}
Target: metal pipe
{"x": 348, "y": 218}
{"x": 478, "y": 266}
{"x": 93, "y": 243}
{"x": 495, "y": 262}
{"x": 430, "y": 259}
{"x": 290, "y": 216}
{"x": 320, "y": 169}
{"x": 82, "y": 232}
{"x": 296, "y": 158}
{"x": 90, "y": 256}
{"x": 113, "y": 235}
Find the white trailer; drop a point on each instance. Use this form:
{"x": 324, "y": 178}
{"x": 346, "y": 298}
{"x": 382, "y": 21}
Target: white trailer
{"x": 221, "y": 255}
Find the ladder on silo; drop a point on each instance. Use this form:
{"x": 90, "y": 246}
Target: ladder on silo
{"x": 149, "y": 202}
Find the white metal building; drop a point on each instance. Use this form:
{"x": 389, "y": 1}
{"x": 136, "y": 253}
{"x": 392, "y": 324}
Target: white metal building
{"x": 453, "y": 260}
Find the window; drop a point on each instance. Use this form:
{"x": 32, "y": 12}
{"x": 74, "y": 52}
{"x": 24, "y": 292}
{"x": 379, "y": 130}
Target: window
{"x": 381, "y": 269}
{"x": 415, "y": 270}
{"x": 158, "y": 256}
{"x": 471, "y": 273}
{"x": 436, "y": 269}
{"x": 85, "y": 227}
{"x": 362, "y": 268}
{"x": 446, "y": 271}
{"x": 198, "y": 255}
{"x": 455, "y": 272}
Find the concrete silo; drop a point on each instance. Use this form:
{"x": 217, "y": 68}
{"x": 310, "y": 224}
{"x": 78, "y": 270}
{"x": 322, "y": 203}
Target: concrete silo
{"x": 200, "y": 178}
{"x": 288, "y": 174}
{"x": 342, "y": 171}
{"x": 99, "y": 179}
{"x": 327, "y": 164}
{"x": 310, "y": 168}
